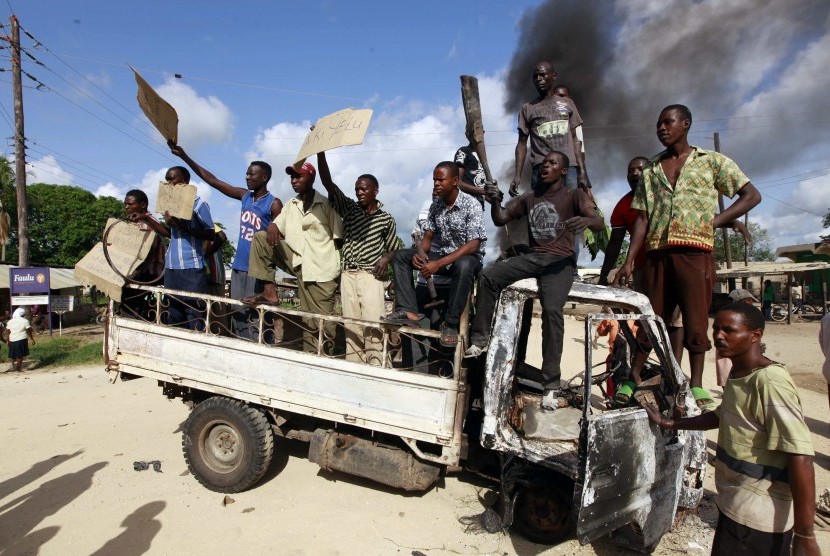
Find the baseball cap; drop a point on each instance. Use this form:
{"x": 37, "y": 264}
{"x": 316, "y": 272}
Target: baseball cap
{"x": 306, "y": 168}
{"x": 740, "y": 294}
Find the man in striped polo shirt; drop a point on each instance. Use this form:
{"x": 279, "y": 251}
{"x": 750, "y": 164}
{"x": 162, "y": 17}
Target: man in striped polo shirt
{"x": 369, "y": 240}
{"x": 184, "y": 263}
{"x": 764, "y": 468}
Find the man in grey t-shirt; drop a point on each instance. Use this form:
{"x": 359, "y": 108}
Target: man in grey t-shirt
{"x": 550, "y": 123}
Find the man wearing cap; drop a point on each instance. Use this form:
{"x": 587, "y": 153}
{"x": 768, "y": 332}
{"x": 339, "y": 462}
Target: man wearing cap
{"x": 302, "y": 240}
{"x": 370, "y": 237}
{"x": 258, "y": 210}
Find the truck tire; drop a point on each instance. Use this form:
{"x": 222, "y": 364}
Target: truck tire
{"x": 227, "y": 444}
{"x": 543, "y": 515}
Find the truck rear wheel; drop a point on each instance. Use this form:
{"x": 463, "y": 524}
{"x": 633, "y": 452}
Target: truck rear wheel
{"x": 542, "y": 514}
{"x": 227, "y": 444}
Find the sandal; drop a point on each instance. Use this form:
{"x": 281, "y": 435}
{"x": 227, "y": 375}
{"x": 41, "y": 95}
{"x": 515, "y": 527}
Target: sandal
{"x": 399, "y": 317}
{"x": 703, "y": 399}
{"x": 449, "y": 336}
{"x": 258, "y": 299}
{"x": 624, "y": 392}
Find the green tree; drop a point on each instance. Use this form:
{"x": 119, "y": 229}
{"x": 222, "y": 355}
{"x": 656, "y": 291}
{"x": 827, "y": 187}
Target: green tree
{"x": 759, "y": 250}
{"x": 65, "y": 222}
{"x": 228, "y": 250}
{"x": 826, "y": 223}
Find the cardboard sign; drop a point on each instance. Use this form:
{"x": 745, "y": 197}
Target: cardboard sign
{"x": 128, "y": 246}
{"x": 346, "y": 127}
{"x": 177, "y": 200}
{"x": 160, "y": 113}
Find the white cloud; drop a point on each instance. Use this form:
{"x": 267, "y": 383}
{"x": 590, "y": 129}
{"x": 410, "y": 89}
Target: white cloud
{"x": 406, "y": 139}
{"x": 798, "y": 219}
{"x": 47, "y": 170}
{"x": 201, "y": 119}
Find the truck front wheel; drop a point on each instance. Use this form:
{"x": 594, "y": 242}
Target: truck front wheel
{"x": 227, "y": 444}
{"x": 542, "y": 514}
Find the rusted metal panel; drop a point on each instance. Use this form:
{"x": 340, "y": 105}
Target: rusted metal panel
{"x": 413, "y": 404}
{"x": 632, "y": 474}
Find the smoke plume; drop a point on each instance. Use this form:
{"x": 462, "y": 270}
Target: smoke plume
{"x": 753, "y": 69}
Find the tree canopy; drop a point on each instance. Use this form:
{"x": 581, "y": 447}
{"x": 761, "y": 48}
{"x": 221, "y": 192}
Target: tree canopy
{"x": 65, "y": 222}
{"x": 759, "y": 250}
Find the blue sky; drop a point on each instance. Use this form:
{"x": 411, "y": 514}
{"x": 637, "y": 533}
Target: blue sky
{"x": 255, "y": 75}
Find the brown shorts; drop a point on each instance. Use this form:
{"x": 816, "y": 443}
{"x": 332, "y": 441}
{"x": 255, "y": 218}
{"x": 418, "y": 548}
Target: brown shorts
{"x": 684, "y": 278}
{"x": 638, "y": 285}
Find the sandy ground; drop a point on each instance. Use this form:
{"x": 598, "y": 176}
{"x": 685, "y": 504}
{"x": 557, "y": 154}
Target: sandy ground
{"x": 67, "y": 484}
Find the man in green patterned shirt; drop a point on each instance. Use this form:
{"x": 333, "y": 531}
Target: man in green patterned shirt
{"x": 678, "y": 201}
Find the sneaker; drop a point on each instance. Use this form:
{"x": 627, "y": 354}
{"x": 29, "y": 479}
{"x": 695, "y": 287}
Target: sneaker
{"x": 551, "y": 401}
{"x": 474, "y": 351}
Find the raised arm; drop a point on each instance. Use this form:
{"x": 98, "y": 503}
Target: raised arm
{"x": 324, "y": 172}
{"x": 221, "y": 186}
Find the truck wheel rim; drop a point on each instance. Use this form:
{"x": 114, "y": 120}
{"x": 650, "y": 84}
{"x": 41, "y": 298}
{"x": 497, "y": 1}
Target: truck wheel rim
{"x": 222, "y": 446}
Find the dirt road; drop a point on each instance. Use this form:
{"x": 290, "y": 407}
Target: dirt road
{"x": 67, "y": 483}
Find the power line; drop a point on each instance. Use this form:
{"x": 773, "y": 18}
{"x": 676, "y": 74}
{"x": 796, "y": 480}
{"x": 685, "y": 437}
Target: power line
{"x": 220, "y": 81}
{"x": 92, "y": 98}
{"x": 793, "y": 206}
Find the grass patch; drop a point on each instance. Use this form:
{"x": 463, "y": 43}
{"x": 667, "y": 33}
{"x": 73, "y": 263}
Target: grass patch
{"x": 65, "y": 352}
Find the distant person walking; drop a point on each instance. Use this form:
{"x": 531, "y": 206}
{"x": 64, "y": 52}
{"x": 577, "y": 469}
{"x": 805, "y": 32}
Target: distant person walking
{"x": 18, "y": 332}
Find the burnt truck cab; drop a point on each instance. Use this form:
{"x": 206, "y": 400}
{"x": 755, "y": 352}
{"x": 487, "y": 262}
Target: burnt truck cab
{"x": 589, "y": 466}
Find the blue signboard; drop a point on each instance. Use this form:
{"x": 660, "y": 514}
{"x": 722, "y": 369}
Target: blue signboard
{"x": 29, "y": 280}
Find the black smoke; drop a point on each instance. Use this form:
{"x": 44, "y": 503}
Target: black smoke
{"x": 624, "y": 65}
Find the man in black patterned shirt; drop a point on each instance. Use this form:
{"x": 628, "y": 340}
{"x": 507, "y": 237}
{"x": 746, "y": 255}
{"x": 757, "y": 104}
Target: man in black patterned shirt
{"x": 369, "y": 240}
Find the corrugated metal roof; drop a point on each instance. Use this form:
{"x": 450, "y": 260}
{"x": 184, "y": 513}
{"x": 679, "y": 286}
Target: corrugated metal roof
{"x": 756, "y": 269}
{"x": 59, "y": 278}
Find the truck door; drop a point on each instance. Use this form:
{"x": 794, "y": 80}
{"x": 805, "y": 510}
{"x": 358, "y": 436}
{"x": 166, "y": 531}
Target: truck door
{"x": 630, "y": 471}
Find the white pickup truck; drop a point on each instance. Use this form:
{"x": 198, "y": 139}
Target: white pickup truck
{"x": 585, "y": 468}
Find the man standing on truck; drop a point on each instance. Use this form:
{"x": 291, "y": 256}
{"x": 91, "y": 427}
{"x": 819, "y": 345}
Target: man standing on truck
{"x": 554, "y": 215}
{"x": 259, "y": 208}
{"x": 677, "y": 200}
{"x": 370, "y": 237}
{"x": 550, "y": 123}
{"x": 457, "y": 218}
{"x": 184, "y": 261}
{"x": 303, "y": 240}
{"x": 764, "y": 468}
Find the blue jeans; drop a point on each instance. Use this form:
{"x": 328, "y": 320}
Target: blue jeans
{"x": 186, "y": 312}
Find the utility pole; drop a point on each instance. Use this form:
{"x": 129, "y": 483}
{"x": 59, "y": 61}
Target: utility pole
{"x": 20, "y": 149}
{"x": 726, "y": 246}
